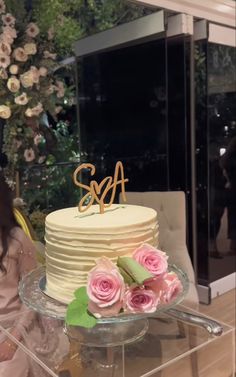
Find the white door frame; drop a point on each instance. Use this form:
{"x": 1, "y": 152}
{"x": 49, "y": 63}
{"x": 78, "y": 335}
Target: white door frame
{"x": 218, "y": 11}
{"x": 140, "y": 29}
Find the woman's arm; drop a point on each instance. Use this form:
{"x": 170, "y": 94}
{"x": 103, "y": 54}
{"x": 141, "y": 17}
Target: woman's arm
{"x": 26, "y": 257}
{"x": 26, "y": 262}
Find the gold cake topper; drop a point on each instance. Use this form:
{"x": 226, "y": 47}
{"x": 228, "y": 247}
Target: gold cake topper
{"x": 95, "y": 189}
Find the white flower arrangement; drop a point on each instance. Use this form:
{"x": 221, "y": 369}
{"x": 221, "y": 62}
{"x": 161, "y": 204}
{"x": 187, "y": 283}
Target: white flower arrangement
{"x": 28, "y": 87}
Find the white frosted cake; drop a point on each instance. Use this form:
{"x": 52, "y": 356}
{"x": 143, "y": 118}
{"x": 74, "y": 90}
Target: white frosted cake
{"x": 74, "y": 240}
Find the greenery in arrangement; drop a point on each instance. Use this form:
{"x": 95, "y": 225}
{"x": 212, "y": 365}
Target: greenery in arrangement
{"x": 37, "y": 220}
{"x": 46, "y": 188}
{"x": 50, "y": 187}
{"x": 78, "y": 18}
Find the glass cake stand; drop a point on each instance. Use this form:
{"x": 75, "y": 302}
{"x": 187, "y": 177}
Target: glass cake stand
{"x": 112, "y": 331}
{"x": 99, "y": 343}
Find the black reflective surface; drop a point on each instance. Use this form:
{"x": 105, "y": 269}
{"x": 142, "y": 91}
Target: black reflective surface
{"x": 216, "y": 160}
{"x": 123, "y": 112}
{"x": 135, "y": 107}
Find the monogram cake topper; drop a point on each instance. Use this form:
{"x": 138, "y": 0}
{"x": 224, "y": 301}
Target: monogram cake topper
{"x": 102, "y": 189}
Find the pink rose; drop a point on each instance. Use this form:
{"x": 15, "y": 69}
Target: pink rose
{"x": 156, "y": 284}
{"x": 140, "y": 300}
{"x": 105, "y": 289}
{"x": 171, "y": 288}
{"x": 154, "y": 260}
{"x": 109, "y": 311}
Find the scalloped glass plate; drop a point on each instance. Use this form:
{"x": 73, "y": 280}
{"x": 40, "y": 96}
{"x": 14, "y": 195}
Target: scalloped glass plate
{"x": 32, "y": 294}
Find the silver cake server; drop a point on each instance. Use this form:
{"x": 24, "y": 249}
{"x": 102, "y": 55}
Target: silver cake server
{"x": 211, "y": 326}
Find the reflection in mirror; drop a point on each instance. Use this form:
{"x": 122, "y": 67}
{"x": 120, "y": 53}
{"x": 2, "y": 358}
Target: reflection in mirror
{"x": 216, "y": 139}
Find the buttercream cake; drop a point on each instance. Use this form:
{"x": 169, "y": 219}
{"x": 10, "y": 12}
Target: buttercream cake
{"x": 74, "y": 240}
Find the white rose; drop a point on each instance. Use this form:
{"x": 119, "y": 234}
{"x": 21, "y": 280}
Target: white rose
{"x": 9, "y": 31}
{"x": 20, "y": 54}
{"x": 8, "y": 35}
{"x": 3, "y": 74}
{"x": 27, "y": 79}
{"x": 14, "y": 69}
{"x": 13, "y": 84}
{"x": 4, "y": 61}
{"x": 35, "y": 73}
{"x": 29, "y": 112}
{"x": 35, "y": 111}
{"x": 49, "y": 55}
{"x": 30, "y": 48}
{"x": 43, "y": 71}
{"x": 5, "y": 48}
{"x": 2, "y": 7}
{"x": 38, "y": 139}
{"x": 8, "y": 19}
{"x": 38, "y": 109}
{"x": 32, "y": 30}
{"x": 6, "y": 38}
{"x": 29, "y": 155}
{"x": 5, "y": 112}
{"x": 22, "y": 99}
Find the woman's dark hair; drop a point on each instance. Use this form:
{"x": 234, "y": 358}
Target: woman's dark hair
{"x": 7, "y": 218}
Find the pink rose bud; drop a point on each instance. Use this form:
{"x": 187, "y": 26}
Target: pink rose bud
{"x": 154, "y": 260}
{"x": 105, "y": 289}
{"x": 140, "y": 300}
{"x": 171, "y": 288}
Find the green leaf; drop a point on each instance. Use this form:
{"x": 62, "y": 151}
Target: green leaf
{"x": 78, "y": 315}
{"x": 81, "y": 295}
{"x": 127, "y": 278}
{"x": 137, "y": 272}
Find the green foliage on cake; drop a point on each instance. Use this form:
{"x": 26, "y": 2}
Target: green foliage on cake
{"x": 77, "y": 312}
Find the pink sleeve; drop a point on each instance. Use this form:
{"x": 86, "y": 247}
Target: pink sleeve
{"x": 27, "y": 256}
{"x": 26, "y": 263}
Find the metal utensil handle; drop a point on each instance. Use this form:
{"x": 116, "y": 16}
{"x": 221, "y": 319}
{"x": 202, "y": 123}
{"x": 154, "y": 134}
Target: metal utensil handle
{"x": 213, "y": 327}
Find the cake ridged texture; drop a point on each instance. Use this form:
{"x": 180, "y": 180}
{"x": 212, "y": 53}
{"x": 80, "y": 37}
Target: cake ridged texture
{"x": 74, "y": 241}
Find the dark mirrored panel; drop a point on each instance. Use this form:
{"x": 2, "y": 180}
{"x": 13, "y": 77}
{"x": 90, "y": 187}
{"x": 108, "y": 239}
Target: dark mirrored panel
{"x": 201, "y": 124}
{"x": 216, "y": 159}
{"x": 134, "y": 105}
{"x": 122, "y": 97}
{"x": 222, "y": 159}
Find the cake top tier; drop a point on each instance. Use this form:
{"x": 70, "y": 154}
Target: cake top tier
{"x": 117, "y": 215}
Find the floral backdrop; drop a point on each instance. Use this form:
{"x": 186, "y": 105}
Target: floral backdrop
{"x": 33, "y": 90}
{"x": 30, "y": 90}
{"x": 37, "y": 93}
